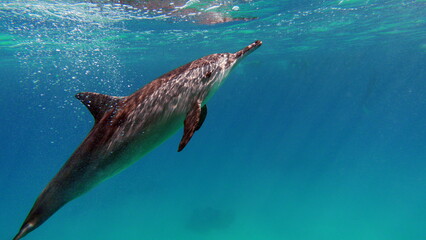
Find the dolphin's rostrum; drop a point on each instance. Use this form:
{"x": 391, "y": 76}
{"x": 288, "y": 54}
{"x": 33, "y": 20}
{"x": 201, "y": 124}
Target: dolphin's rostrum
{"x": 126, "y": 128}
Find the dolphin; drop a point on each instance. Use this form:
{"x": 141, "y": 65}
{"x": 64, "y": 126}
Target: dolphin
{"x": 127, "y": 128}
{"x": 199, "y": 12}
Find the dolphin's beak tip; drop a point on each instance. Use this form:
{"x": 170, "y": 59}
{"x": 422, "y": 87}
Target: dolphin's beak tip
{"x": 247, "y": 50}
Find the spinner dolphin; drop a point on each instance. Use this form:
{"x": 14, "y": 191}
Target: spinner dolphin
{"x": 183, "y": 9}
{"x": 127, "y": 128}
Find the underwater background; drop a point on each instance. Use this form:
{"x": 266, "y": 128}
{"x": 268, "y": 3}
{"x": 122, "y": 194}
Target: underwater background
{"x": 320, "y": 134}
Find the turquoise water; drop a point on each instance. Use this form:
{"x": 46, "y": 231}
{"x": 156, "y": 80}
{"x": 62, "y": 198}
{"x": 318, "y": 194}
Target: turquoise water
{"x": 318, "y": 134}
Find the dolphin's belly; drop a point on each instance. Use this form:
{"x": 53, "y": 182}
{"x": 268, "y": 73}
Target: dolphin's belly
{"x": 142, "y": 143}
{"x": 81, "y": 175}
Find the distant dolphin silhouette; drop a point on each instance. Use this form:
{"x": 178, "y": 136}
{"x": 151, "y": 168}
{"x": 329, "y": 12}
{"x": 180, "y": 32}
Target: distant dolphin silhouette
{"x": 127, "y": 128}
{"x": 181, "y": 9}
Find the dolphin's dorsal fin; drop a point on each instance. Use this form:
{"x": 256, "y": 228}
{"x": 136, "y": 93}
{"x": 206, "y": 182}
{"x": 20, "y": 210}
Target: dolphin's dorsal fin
{"x": 98, "y": 103}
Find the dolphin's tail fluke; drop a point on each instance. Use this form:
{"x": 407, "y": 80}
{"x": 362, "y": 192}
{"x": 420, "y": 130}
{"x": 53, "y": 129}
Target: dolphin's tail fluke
{"x": 49, "y": 201}
{"x": 25, "y": 229}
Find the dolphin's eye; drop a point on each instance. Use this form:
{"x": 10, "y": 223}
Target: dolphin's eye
{"x": 206, "y": 78}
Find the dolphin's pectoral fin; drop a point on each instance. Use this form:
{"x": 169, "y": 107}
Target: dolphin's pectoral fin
{"x": 203, "y": 116}
{"x": 193, "y": 121}
{"x": 98, "y": 103}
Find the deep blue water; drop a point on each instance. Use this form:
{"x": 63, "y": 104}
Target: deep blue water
{"x": 319, "y": 134}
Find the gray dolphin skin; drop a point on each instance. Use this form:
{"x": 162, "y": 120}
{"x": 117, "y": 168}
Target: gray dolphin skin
{"x": 183, "y": 9}
{"x": 127, "y": 128}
